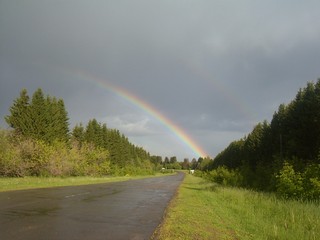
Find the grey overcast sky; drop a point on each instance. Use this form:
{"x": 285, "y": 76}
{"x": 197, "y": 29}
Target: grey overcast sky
{"x": 215, "y": 68}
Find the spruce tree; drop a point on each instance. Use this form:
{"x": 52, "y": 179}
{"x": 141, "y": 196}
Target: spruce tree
{"x": 39, "y": 115}
{"x": 56, "y": 119}
{"x": 62, "y": 122}
{"x": 93, "y": 133}
{"x": 78, "y": 134}
{"x": 105, "y": 136}
{"x": 19, "y": 118}
{"x": 42, "y": 118}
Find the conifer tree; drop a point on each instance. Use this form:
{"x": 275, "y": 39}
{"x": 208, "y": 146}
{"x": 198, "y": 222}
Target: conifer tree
{"x": 39, "y": 115}
{"x": 93, "y": 133}
{"x": 78, "y": 134}
{"x": 19, "y": 118}
{"x": 56, "y": 120}
{"x": 105, "y": 136}
{"x": 62, "y": 121}
{"x": 42, "y": 118}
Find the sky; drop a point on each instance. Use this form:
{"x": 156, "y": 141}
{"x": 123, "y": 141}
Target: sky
{"x": 178, "y": 78}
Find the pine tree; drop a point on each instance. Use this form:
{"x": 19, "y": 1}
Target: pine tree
{"x": 62, "y": 122}
{"x": 56, "y": 119}
{"x": 42, "y": 118}
{"x": 39, "y": 115}
{"x": 19, "y": 119}
{"x": 78, "y": 134}
{"x": 93, "y": 133}
{"x": 105, "y": 136}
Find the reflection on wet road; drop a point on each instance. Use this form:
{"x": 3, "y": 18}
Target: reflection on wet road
{"x": 122, "y": 210}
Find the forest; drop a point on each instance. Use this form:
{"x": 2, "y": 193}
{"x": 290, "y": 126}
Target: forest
{"x": 40, "y": 143}
{"x": 282, "y": 156}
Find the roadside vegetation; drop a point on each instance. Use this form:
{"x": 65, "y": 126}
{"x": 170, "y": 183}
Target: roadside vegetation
{"x": 206, "y": 210}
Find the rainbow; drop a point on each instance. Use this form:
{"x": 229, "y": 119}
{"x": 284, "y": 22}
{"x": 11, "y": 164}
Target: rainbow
{"x": 173, "y": 127}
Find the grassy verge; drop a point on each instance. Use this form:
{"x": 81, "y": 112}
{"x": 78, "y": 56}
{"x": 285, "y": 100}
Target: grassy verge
{"x": 202, "y": 210}
{"x": 10, "y": 184}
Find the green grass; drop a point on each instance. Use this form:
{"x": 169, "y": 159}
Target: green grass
{"x": 10, "y": 184}
{"x": 202, "y": 210}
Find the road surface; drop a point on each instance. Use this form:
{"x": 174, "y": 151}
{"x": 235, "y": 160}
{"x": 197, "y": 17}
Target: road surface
{"x": 121, "y": 210}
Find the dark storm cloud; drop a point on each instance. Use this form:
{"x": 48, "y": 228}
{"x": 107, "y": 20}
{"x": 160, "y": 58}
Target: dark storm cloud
{"x": 213, "y": 67}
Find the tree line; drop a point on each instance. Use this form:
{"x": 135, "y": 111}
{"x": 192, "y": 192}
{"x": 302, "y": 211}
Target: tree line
{"x": 281, "y": 156}
{"x": 41, "y": 143}
{"x": 123, "y": 154}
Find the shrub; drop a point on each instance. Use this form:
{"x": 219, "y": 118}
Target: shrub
{"x": 39, "y": 158}
{"x": 89, "y": 160}
{"x": 289, "y": 182}
{"x": 59, "y": 162}
{"x": 10, "y": 160}
{"x": 20, "y": 156}
{"x": 311, "y": 182}
{"x": 304, "y": 185}
{"x": 226, "y": 177}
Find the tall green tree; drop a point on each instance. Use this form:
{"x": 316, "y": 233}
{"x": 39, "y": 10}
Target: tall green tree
{"x": 41, "y": 118}
{"x": 57, "y": 125}
{"x": 62, "y": 120}
{"x": 39, "y": 115}
{"x": 19, "y": 118}
{"x": 93, "y": 133}
{"x": 78, "y": 134}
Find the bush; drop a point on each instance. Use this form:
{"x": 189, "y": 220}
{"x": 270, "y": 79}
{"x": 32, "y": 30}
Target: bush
{"x": 89, "y": 160}
{"x": 14, "y": 155}
{"x": 289, "y": 184}
{"x": 20, "y": 156}
{"x": 59, "y": 162}
{"x": 293, "y": 184}
{"x": 11, "y": 164}
{"x": 225, "y": 177}
{"x": 37, "y": 156}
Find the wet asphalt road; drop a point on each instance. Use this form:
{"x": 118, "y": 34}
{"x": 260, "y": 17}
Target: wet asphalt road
{"x": 122, "y": 210}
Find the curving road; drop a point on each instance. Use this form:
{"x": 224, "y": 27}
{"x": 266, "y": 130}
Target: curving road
{"x": 121, "y": 210}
